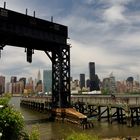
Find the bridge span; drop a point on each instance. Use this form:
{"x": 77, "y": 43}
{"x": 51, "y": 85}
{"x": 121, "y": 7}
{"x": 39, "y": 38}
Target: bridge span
{"x": 124, "y": 109}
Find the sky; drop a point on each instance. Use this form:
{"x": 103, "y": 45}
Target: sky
{"x": 106, "y": 32}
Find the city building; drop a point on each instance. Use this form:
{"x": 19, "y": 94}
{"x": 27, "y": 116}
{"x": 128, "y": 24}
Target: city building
{"x": 94, "y": 80}
{"x": 38, "y": 83}
{"x": 13, "y": 84}
{"x": 109, "y": 84}
{"x": 47, "y": 80}
{"x": 2, "y": 85}
{"x": 38, "y": 76}
{"x": 129, "y": 83}
{"x": 8, "y": 87}
{"x": 29, "y": 87}
{"x": 82, "y": 81}
{"x": 75, "y": 85}
{"x": 13, "y": 79}
{"x": 88, "y": 83}
{"x": 38, "y": 87}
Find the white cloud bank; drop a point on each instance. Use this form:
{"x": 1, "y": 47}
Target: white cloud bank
{"x": 104, "y": 31}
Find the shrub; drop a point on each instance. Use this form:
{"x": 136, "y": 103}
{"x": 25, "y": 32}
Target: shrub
{"x": 11, "y": 121}
{"x": 34, "y": 133}
{"x": 81, "y": 136}
{"x": 5, "y": 100}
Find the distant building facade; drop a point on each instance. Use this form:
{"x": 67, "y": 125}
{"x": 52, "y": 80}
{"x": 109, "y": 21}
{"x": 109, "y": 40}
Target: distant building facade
{"x": 94, "y": 80}
{"x": 2, "y": 85}
{"x": 13, "y": 84}
{"x": 47, "y": 80}
{"x": 82, "y": 81}
{"x": 109, "y": 84}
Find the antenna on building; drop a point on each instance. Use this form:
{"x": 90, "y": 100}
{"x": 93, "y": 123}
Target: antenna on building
{"x": 1, "y": 48}
{"x": 34, "y": 14}
{"x": 4, "y": 5}
{"x": 51, "y": 18}
{"x": 26, "y": 11}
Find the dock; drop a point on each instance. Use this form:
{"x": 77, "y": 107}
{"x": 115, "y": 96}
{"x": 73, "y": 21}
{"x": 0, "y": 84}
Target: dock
{"x": 123, "y": 109}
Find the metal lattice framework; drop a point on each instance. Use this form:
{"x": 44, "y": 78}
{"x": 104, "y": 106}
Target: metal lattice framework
{"x": 31, "y": 33}
{"x": 60, "y": 76}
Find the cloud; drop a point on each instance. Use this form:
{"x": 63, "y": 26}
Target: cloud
{"x": 114, "y": 14}
{"x": 104, "y": 31}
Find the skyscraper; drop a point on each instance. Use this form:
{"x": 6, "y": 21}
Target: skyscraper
{"x": 82, "y": 80}
{"x": 2, "y": 84}
{"x": 91, "y": 71}
{"x": 13, "y": 83}
{"x": 13, "y": 79}
{"x": 38, "y": 76}
{"x": 94, "y": 80}
{"x": 47, "y": 80}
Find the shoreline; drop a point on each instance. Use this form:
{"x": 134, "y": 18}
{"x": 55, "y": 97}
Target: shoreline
{"x": 123, "y": 138}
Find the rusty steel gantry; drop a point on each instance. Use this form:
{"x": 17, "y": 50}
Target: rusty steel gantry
{"x": 31, "y": 33}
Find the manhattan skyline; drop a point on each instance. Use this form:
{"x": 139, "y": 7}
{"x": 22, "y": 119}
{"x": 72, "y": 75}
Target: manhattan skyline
{"x": 100, "y": 31}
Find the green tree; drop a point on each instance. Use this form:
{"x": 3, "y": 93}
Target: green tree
{"x": 11, "y": 121}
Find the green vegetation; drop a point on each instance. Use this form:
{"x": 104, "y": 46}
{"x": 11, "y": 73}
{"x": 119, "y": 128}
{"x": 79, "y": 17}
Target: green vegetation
{"x": 105, "y": 91}
{"x": 13, "y": 128}
{"x": 12, "y": 123}
{"x": 81, "y": 136}
{"x": 34, "y": 133}
{"x": 5, "y": 100}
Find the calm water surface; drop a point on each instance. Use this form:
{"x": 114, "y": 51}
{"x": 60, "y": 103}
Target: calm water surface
{"x": 58, "y": 130}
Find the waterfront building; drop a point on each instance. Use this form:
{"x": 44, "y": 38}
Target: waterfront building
{"x": 112, "y": 83}
{"x": 94, "y": 80}
{"x": 8, "y": 87}
{"x": 38, "y": 83}
{"x": 109, "y": 84}
{"x": 91, "y": 71}
{"x": 38, "y": 87}
{"x": 29, "y": 87}
{"x": 82, "y": 81}
{"x": 75, "y": 85}
{"x": 2, "y": 85}
{"x": 88, "y": 83}
{"x": 47, "y": 80}
{"x": 129, "y": 83}
{"x": 121, "y": 87}
{"x": 13, "y": 82}
{"x": 13, "y": 79}
{"x": 38, "y": 76}
{"x": 23, "y": 80}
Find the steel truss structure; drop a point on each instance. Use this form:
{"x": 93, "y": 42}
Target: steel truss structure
{"x": 31, "y": 33}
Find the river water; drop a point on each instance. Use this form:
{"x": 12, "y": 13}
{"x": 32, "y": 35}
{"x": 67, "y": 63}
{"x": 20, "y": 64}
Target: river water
{"x": 59, "y": 130}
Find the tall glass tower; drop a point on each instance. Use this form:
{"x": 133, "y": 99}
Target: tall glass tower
{"x": 94, "y": 80}
{"x": 47, "y": 80}
{"x": 91, "y": 71}
{"x": 82, "y": 80}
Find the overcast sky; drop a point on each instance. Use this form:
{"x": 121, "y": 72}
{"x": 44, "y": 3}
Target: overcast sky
{"x": 106, "y": 32}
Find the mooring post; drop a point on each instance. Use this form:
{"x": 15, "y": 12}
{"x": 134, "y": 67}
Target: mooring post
{"x": 99, "y": 113}
{"x": 118, "y": 114}
{"x": 121, "y": 115}
{"x": 137, "y": 116}
{"x": 128, "y": 116}
{"x": 109, "y": 114}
